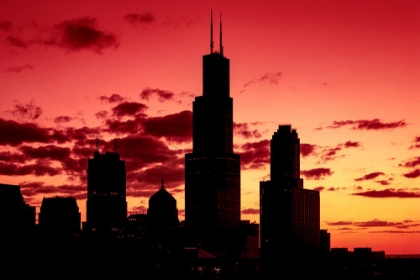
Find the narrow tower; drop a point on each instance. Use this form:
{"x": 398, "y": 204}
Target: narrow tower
{"x": 212, "y": 170}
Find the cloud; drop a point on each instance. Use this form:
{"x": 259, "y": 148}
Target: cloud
{"x": 413, "y": 162}
{"x": 62, "y": 119}
{"x": 250, "y": 211}
{"x": 388, "y": 193}
{"x": 173, "y": 175}
{"x": 46, "y": 152}
{"x": 396, "y": 231}
{"x": 319, "y": 189}
{"x": 176, "y": 127}
{"x": 163, "y": 95}
{"x": 30, "y": 189}
{"x": 272, "y": 78}
{"x": 144, "y": 18}
{"x": 18, "y": 69}
{"x": 129, "y": 109}
{"x": 82, "y": 34}
{"x": 316, "y": 173}
{"x": 413, "y": 174}
{"x": 18, "y": 42}
{"x": 14, "y": 133}
{"x": 6, "y": 25}
{"x": 307, "y": 149}
{"x": 101, "y": 114}
{"x": 124, "y": 127}
{"x": 26, "y": 111}
{"x": 374, "y": 124}
{"x": 38, "y": 169}
{"x": 369, "y": 176}
{"x": 350, "y": 144}
{"x": 114, "y": 98}
{"x": 416, "y": 143}
{"x": 339, "y": 223}
{"x": 242, "y": 129}
{"x": 255, "y": 155}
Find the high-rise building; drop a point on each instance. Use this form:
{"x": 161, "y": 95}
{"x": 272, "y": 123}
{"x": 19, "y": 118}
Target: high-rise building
{"x": 289, "y": 214}
{"x": 59, "y": 216}
{"x": 106, "y": 205}
{"x": 16, "y": 217}
{"x": 212, "y": 170}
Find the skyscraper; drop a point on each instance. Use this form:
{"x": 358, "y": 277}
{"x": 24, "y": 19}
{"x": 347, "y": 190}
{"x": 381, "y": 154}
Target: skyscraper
{"x": 289, "y": 214}
{"x": 106, "y": 205}
{"x": 212, "y": 170}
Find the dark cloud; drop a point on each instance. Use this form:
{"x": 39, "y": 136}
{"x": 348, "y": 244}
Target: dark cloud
{"x": 242, "y": 129}
{"x": 36, "y": 188}
{"x": 114, "y": 98}
{"x": 38, "y": 169}
{"x": 319, "y": 189}
{"x": 12, "y": 157}
{"x": 384, "y": 182}
{"x": 162, "y": 95}
{"x": 14, "y": 133}
{"x": 18, "y": 69}
{"x": 18, "y": 42}
{"x": 143, "y": 18}
{"x": 374, "y": 124}
{"x": 101, "y": 114}
{"x": 316, "y": 173}
{"x": 176, "y": 127}
{"x": 413, "y": 174}
{"x": 339, "y": 223}
{"x": 332, "y": 189}
{"x": 82, "y": 34}
{"x": 46, "y": 152}
{"x": 6, "y": 25}
{"x": 123, "y": 127}
{"x": 377, "y": 223}
{"x": 329, "y": 154}
{"x": 411, "y": 163}
{"x": 396, "y": 231}
{"x": 369, "y": 176}
{"x": 255, "y": 155}
{"x": 129, "y": 109}
{"x": 26, "y": 111}
{"x": 416, "y": 144}
{"x": 350, "y": 144}
{"x": 388, "y": 193}
{"x": 141, "y": 151}
{"x": 250, "y": 211}
{"x": 173, "y": 176}
{"x": 62, "y": 119}
{"x": 272, "y": 78}
{"x": 307, "y": 149}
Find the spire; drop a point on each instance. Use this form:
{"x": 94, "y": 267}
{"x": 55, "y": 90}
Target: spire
{"x": 97, "y": 143}
{"x": 211, "y": 31}
{"x": 221, "y": 46}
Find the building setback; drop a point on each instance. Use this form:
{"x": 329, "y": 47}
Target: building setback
{"x": 212, "y": 170}
{"x": 289, "y": 214}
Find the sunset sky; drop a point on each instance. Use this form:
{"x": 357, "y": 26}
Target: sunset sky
{"x": 345, "y": 74}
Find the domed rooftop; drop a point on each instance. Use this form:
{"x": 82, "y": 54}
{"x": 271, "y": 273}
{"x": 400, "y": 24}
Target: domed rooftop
{"x": 162, "y": 195}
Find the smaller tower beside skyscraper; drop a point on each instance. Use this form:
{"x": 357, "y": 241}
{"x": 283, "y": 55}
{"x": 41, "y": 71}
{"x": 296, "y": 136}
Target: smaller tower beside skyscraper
{"x": 106, "y": 205}
{"x": 289, "y": 214}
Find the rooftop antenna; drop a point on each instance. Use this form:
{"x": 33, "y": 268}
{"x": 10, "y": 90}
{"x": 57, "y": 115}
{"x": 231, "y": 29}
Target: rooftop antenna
{"x": 115, "y": 145}
{"x": 211, "y": 31}
{"x": 221, "y": 46}
{"x": 97, "y": 143}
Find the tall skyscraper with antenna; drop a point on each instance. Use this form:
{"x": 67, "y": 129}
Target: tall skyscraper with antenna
{"x": 106, "y": 205}
{"x": 212, "y": 170}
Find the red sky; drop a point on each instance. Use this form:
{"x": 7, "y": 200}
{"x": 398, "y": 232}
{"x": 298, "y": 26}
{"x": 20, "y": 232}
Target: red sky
{"x": 345, "y": 74}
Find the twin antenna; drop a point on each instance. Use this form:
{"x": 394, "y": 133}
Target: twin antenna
{"x": 115, "y": 144}
{"x": 211, "y": 33}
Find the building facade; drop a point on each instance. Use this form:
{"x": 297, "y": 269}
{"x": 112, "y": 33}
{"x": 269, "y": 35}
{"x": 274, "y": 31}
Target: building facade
{"x": 289, "y": 214}
{"x": 106, "y": 205}
{"x": 212, "y": 170}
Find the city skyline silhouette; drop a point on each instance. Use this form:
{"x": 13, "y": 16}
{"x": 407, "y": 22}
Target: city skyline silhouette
{"x": 349, "y": 87}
